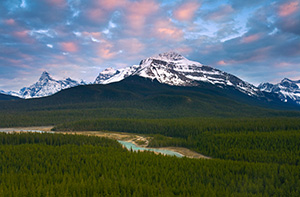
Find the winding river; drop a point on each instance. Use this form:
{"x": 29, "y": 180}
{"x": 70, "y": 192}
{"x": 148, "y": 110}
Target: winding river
{"x": 128, "y": 145}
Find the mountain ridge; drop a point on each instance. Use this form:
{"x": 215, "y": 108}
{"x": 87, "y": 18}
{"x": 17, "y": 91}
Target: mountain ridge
{"x": 174, "y": 69}
{"x": 287, "y": 90}
{"x": 167, "y": 68}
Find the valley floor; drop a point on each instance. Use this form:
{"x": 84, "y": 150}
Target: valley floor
{"x": 138, "y": 140}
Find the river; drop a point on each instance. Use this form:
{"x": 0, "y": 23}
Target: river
{"x": 131, "y": 146}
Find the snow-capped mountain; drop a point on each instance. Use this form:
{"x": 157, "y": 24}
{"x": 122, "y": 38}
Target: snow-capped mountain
{"x": 287, "y": 90}
{"x": 174, "y": 69}
{"x": 46, "y": 86}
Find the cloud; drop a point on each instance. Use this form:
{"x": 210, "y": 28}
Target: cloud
{"x": 289, "y": 17}
{"x": 106, "y": 51}
{"x": 186, "y": 11}
{"x": 222, "y": 63}
{"x": 49, "y": 45}
{"x": 96, "y": 15}
{"x": 131, "y": 46}
{"x": 10, "y": 21}
{"x": 222, "y": 13}
{"x": 57, "y": 3}
{"x": 288, "y": 8}
{"x": 137, "y": 14}
{"x": 71, "y": 47}
{"x": 23, "y": 36}
{"x": 112, "y": 4}
{"x": 250, "y": 38}
{"x": 165, "y": 30}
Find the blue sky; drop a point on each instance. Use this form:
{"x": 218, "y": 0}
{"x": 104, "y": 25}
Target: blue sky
{"x": 257, "y": 40}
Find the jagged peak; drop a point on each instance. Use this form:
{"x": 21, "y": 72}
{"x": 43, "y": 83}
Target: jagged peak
{"x": 286, "y": 80}
{"x": 45, "y": 75}
{"x": 109, "y": 70}
{"x": 290, "y": 81}
{"x": 171, "y": 55}
{"x": 265, "y": 84}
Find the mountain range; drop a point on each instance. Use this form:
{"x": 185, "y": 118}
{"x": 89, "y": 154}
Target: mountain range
{"x": 172, "y": 69}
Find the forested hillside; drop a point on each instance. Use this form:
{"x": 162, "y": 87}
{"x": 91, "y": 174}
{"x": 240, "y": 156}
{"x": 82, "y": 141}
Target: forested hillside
{"x": 137, "y": 97}
{"x": 4, "y": 97}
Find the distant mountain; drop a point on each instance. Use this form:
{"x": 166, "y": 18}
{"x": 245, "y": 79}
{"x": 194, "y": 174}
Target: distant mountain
{"x": 173, "y": 69}
{"x": 287, "y": 90}
{"x": 46, "y": 86}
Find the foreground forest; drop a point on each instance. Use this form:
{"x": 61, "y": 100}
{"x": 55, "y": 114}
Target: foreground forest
{"x": 70, "y": 165}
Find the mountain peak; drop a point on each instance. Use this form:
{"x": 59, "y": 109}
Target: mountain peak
{"x": 46, "y": 86}
{"x": 45, "y": 75}
{"x": 170, "y": 56}
{"x": 109, "y": 71}
{"x": 290, "y": 81}
{"x": 286, "y": 80}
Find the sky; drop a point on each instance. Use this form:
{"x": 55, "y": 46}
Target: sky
{"x": 257, "y": 40}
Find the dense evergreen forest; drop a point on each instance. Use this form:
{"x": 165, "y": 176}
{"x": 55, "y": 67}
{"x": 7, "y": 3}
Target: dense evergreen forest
{"x": 269, "y": 140}
{"x": 66, "y": 165}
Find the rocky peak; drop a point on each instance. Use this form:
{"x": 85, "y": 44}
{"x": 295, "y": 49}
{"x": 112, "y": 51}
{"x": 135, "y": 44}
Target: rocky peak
{"x": 45, "y": 75}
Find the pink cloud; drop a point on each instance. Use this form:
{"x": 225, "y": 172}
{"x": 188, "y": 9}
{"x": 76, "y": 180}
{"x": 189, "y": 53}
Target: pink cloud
{"x": 138, "y": 12}
{"x": 221, "y": 63}
{"x": 222, "y": 13}
{"x": 69, "y": 47}
{"x": 106, "y": 51}
{"x": 26, "y": 57}
{"x": 132, "y": 45}
{"x": 288, "y": 8}
{"x": 10, "y": 22}
{"x": 23, "y": 36}
{"x": 164, "y": 29}
{"x": 284, "y": 64}
{"x": 186, "y": 11}
{"x": 96, "y": 15}
{"x": 57, "y": 3}
{"x": 94, "y": 35}
{"x": 112, "y": 4}
{"x": 184, "y": 50}
{"x": 251, "y": 38}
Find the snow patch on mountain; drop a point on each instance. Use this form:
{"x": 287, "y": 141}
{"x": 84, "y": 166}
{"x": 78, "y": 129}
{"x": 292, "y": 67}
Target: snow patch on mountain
{"x": 111, "y": 75}
{"x": 11, "y": 93}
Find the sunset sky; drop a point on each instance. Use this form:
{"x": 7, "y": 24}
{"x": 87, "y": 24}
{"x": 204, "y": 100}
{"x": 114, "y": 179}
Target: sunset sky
{"x": 256, "y": 40}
